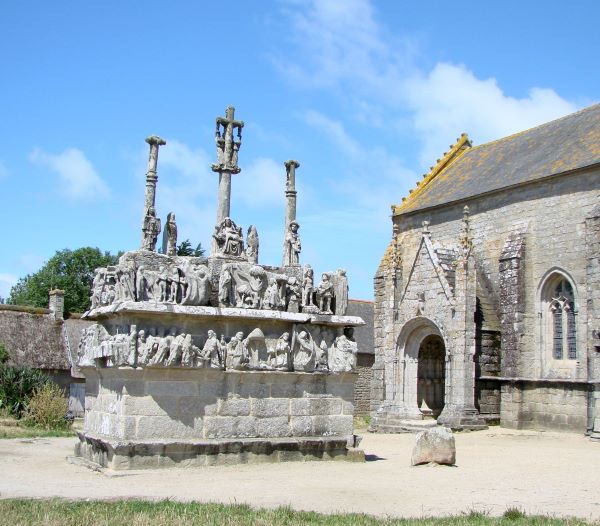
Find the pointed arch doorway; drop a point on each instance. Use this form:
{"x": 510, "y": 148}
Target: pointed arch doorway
{"x": 431, "y": 375}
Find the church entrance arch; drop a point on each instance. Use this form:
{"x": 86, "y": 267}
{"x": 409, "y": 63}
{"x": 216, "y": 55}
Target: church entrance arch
{"x": 431, "y": 375}
{"x": 420, "y": 375}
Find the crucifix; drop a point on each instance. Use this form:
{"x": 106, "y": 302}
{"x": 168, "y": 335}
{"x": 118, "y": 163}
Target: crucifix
{"x": 227, "y": 158}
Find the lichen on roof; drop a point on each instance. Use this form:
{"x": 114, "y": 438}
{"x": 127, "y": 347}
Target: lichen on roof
{"x": 559, "y": 146}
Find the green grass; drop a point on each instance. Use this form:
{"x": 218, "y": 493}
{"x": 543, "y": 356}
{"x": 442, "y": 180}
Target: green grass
{"x": 165, "y": 513}
{"x": 13, "y": 428}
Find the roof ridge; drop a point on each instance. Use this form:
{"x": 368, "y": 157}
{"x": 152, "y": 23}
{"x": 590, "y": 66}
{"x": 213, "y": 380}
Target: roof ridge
{"x": 461, "y": 145}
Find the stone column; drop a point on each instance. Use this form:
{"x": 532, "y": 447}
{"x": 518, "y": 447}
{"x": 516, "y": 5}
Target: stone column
{"x": 56, "y": 303}
{"x": 150, "y": 197}
{"x": 224, "y": 197}
{"x": 290, "y": 192}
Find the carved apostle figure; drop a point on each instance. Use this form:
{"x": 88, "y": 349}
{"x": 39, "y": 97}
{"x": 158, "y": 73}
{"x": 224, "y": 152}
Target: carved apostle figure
{"x": 293, "y": 292}
{"x": 176, "y": 350}
{"x": 325, "y": 294}
{"x": 252, "y": 245}
{"x": 150, "y": 230}
{"x": 98, "y": 287}
{"x": 292, "y": 247}
{"x": 124, "y": 277}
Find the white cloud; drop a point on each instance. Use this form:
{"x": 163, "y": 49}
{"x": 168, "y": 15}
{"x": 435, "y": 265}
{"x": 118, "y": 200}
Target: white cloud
{"x": 6, "y": 282}
{"x": 261, "y": 183}
{"x": 342, "y": 46}
{"x": 450, "y": 100}
{"x": 77, "y": 174}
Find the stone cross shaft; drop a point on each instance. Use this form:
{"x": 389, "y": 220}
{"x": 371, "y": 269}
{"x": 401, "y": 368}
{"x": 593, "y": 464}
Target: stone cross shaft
{"x": 290, "y": 192}
{"x": 150, "y": 198}
{"x": 227, "y": 158}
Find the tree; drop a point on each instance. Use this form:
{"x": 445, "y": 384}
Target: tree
{"x": 185, "y": 249}
{"x": 69, "y": 270}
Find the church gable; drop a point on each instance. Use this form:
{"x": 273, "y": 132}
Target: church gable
{"x": 431, "y": 277}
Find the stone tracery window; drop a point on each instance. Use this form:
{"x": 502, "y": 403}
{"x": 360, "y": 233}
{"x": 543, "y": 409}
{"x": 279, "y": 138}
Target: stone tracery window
{"x": 561, "y": 311}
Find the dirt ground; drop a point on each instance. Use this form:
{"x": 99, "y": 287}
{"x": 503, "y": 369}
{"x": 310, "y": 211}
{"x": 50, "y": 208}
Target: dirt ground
{"x": 538, "y": 472}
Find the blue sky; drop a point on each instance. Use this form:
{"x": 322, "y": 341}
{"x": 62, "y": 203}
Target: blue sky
{"x": 365, "y": 95}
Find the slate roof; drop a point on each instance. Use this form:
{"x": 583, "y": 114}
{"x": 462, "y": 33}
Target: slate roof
{"x": 556, "y": 147}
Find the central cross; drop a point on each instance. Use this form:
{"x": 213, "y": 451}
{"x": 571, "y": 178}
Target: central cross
{"x": 227, "y": 158}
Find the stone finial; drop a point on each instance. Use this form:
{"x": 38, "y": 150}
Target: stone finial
{"x": 56, "y": 303}
{"x": 155, "y": 140}
{"x": 426, "y": 231}
{"x": 466, "y": 236}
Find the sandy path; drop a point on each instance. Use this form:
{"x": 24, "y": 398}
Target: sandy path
{"x": 551, "y": 473}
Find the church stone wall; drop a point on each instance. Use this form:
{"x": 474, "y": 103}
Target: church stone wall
{"x": 541, "y": 405}
{"x": 550, "y": 215}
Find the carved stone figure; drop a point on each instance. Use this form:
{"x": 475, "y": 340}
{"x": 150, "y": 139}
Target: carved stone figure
{"x": 141, "y": 347}
{"x": 237, "y": 353}
{"x": 272, "y": 300}
{"x": 199, "y": 287}
{"x": 141, "y": 284}
{"x": 213, "y": 351}
{"x": 133, "y": 348}
{"x": 252, "y": 244}
{"x": 125, "y": 286}
{"x": 325, "y": 294}
{"x": 340, "y": 291}
{"x": 251, "y": 290}
{"x": 90, "y": 343}
{"x": 226, "y": 297}
{"x": 175, "y": 350}
{"x": 308, "y": 285}
{"x": 304, "y": 352}
{"x": 322, "y": 362}
{"x": 188, "y": 355}
{"x": 279, "y": 356}
{"x": 97, "y": 287}
{"x": 292, "y": 247}
{"x": 293, "y": 295}
{"x": 161, "y": 285}
{"x": 344, "y": 352}
{"x": 229, "y": 239}
{"x": 150, "y": 229}
{"x": 164, "y": 348}
{"x": 169, "y": 246}
{"x": 174, "y": 283}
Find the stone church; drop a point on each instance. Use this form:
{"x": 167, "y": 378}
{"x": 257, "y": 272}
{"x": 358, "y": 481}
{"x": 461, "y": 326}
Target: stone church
{"x": 487, "y": 299}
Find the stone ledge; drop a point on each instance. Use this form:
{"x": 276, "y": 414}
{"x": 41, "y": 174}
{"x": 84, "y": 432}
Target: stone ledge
{"x": 150, "y": 307}
{"x": 145, "y": 454}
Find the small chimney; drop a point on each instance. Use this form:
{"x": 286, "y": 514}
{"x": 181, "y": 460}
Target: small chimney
{"x": 56, "y": 304}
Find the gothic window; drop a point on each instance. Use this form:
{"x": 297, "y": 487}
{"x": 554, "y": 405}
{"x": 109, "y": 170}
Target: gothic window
{"x": 561, "y": 317}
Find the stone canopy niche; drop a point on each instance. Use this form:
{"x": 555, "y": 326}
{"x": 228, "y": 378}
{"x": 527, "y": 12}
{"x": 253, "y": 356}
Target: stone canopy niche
{"x": 219, "y": 359}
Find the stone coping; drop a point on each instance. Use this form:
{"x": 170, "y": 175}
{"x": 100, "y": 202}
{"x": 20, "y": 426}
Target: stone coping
{"x": 150, "y": 307}
{"x": 519, "y": 379}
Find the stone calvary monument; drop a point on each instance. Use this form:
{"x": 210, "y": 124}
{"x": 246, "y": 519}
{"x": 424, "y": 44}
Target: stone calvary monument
{"x": 201, "y": 361}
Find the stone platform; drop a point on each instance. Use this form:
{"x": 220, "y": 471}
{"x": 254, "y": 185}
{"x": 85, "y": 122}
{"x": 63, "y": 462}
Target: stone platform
{"x": 159, "y": 417}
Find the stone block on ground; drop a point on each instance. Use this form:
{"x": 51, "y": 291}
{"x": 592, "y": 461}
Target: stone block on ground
{"x": 434, "y": 445}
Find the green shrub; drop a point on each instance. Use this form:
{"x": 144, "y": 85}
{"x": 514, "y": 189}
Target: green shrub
{"x": 17, "y": 384}
{"x": 46, "y": 408}
{"x": 3, "y": 354}
{"x": 514, "y": 514}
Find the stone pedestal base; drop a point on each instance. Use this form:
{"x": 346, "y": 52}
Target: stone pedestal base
{"x": 158, "y": 417}
{"x": 117, "y": 455}
{"x": 465, "y": 419}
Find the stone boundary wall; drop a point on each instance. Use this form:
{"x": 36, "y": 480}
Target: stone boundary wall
{"x": 553, "y": 405}
{"x": 362, "y": 387}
